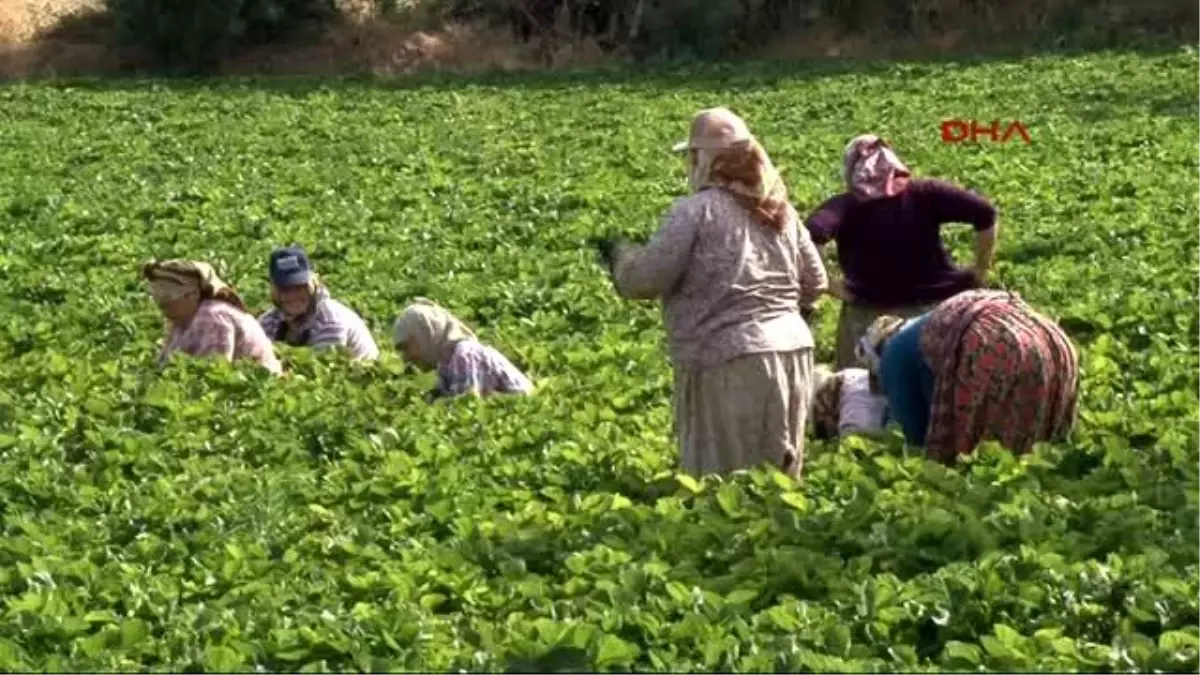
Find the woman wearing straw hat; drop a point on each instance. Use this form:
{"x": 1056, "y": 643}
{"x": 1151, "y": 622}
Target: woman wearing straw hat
{"x": 205, "y": 317}
{"x": 887, "y": 230}
{"x": 732, "y": 267}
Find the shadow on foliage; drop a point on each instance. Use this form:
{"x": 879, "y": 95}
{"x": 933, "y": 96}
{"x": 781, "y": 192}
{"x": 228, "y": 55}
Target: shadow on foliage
{"x": 1102, "y": 105}
{"x": 559, "y": 659}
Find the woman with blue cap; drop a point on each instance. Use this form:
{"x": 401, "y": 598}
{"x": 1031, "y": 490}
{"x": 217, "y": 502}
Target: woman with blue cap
{"x": 306, "y": 315}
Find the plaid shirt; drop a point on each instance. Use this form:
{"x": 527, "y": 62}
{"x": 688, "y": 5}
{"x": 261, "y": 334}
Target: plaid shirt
{"x": 475, "y": 367}
{"x": 329, "y": 324}
{"x": 222, "y": 330}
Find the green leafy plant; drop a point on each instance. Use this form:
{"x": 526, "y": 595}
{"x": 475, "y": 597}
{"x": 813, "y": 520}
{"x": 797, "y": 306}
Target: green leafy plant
{"x": 212, "y": 518}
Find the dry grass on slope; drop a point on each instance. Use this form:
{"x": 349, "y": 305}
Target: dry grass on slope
{"x": 72, "y": 37}
{"x": 46, "y": 36}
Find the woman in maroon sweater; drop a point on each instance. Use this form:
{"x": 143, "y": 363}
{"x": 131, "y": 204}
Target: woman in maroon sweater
{"x": 887, "y": 228}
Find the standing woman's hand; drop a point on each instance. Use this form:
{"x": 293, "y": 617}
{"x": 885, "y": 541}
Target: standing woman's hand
{"x": 971, "y": 277}
{"x": 981, "y": 276}
{"x": 606, "y": 249}
{"x": 837, "y": 288}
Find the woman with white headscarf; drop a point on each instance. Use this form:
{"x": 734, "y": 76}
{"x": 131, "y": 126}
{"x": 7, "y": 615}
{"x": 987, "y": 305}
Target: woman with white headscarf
{"x": 889, "y": 247}
{"x": 205, "y": 317}
{"x": 844, "y": 404}
{"x": 432, "y": 338}
{"x": 733, "y": 268}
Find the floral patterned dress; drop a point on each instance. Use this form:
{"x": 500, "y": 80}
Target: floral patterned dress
{"x": 1002, "y": 372}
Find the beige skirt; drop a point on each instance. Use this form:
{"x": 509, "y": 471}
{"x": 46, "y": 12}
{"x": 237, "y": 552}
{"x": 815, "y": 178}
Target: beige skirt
{"x": 855, "y": 319}
{"x": 743, "y": 413}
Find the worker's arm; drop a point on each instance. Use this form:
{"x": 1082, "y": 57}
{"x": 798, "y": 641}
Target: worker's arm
{"x": 901, "y": 382}
{"x": 985, "y": 250}
{"x": 814, "y": 280}
{"x": 822, "y": 226}
{"x": 651, "y": 271}
{"x": 953, "y": 204}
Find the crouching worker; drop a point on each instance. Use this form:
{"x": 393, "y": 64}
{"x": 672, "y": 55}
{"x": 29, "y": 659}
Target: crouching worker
{"x": 305, "y": 315}
{"x": 983, "y": 365}
{"x": 205, "y": 317}
{"x": 431, "y": 338}
{"x": 843, "y": 403}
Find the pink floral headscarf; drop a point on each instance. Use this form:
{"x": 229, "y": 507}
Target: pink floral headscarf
{"x": 872, "y": 170}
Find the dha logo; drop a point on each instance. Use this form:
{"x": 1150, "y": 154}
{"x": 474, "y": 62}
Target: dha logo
{"x": 957, "y": 131}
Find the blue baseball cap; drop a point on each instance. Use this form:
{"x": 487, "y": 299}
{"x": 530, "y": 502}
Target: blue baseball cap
{"x": 290, "y": 266}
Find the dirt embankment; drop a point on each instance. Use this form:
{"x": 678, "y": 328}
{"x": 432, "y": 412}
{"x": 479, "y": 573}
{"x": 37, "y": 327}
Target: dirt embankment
{"x": 22, "y": 21}
{"x": 73, "y": 37}
{"x": 27, "y": 35}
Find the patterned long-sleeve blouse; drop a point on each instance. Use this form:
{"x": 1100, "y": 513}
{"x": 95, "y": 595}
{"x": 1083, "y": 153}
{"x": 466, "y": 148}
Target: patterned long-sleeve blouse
{"x": 222, "y": 330}
{"x": 476, "y": 367}
{"x": 329, "y": 324}
{"x": 730, "y": 286}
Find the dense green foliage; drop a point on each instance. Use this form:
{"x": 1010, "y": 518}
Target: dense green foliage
{"x": 212, "y": 518}
{"x": 191, "y": 36}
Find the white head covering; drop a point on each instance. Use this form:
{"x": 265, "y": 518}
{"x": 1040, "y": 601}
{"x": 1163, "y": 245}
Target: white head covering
{"x": 821, "y": 375}
{"x": 715, "y": 129}
{"x": 169, "y": 280}
{"x": 434, "y": 330}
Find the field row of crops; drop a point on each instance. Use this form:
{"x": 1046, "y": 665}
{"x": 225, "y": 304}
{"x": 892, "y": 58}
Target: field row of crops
{"x": 213, "y": 518}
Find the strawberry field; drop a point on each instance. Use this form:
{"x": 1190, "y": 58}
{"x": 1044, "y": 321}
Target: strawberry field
{"x": 210, "y": 518}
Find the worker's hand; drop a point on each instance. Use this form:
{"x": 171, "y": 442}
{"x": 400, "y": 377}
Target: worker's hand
{"x": 808, "y": 312}
{"x": 837, "y": 288}
{"x": 606, "y": 248}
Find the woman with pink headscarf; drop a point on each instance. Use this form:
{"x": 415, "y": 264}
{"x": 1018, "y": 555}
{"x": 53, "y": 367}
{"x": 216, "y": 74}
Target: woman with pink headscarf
{"x": 887, "y": 230}
{"x": 733, "y": 268}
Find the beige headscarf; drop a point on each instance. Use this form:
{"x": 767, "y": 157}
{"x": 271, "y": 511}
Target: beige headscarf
{"x": 169, "y": 280}
{"x": 826, "y": 401}
{"x": 871, "y": 169}
{"x": 728, "y": 156}
{"x": 434, "y": 329}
